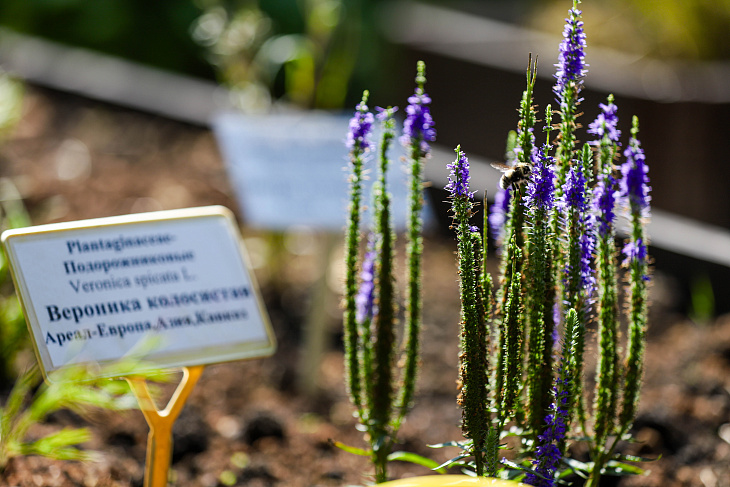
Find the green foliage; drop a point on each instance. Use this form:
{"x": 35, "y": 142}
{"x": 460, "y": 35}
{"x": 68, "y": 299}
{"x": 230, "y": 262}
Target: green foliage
{"x": 154, "y": 33}
{"x": 30, "y": 402}
{"x": 352, "y": 247}
{"x": 300, "y": 52}
{"x": 13, "y": 333}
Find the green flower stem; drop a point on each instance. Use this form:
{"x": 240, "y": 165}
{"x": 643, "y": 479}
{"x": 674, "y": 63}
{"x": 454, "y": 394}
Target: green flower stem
{"x": 573, "y": 298}
{"x": 525, "y": 137}
{"x": 638, "y": 313}
{"x": 540, "y": 275}
{"x": 414, "y": 251}
{"x": 473, "y": 359}
{"x": 607, "y": 367}
{"x": 514, "y": 224}
{"x": 566, "y": 129}
{"x": 514, "y": 345}
{"x": 384, "y": 322}
{"x": 486, "y": 276}
{"x": 568, "y": 364}
{"x": 607, "y": 149}
{"x": 352, "y": 247}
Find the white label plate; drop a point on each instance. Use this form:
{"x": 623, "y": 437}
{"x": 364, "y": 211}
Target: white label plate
{"x": 172, "y": 288}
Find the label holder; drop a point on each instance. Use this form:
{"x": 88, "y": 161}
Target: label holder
{"x": 160, "y": 421}
{"x": 159, "y": 439}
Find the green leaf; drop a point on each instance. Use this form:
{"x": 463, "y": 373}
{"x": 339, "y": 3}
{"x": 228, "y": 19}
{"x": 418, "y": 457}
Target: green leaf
{"x": 351, "y": 449}
{"x": 457, "y": 444}
{"x": 448, "y": 463}
{"x": 517, "y": 466}
{"x": 404, "y": 456}
{"x": 579, "y": 468}
{"x": 622, "y": 469}
{"x": 633, "y": 458}
{"x": 511, "y": 474}
{"x": 59, "y": 445}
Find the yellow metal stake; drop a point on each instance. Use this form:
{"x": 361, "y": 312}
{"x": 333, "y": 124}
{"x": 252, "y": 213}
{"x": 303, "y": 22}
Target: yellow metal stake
{"x": 159, "y": 440}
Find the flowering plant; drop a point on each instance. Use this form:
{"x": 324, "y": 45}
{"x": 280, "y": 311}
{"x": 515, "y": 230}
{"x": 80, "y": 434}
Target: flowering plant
{"x": 556, "y": 222}
{"x": 380, "y": 397}
{"x": 521, "y": 366}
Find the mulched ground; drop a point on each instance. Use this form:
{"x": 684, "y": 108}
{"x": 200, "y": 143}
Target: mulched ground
{"x": 248, "y": 423}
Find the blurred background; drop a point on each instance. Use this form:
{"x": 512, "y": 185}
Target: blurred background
{"x": 107, "y": 107}
{"x": 668, "y": 64}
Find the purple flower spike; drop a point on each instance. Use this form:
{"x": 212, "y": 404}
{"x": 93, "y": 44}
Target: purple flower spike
{"x": 634, "y": 251}
{"x": 574, "y": 194}
{"x": 604, "y": 202}
{"x": 547, "y": 455}
{"x": 360, "y": 125}
{"x": 634, "y": 187}
{"x": 498, "y": 214}
{"x": 385, "y": 113}
{"x": 571, "y": 60}
{"x": 419, "y": 123}
{"x": 587, "y": 247}
{"x": 606, "y": 123}
{"x": 540, "y": 187}
{"x": 458, "y": 184}
{"x": 365, "y": 299}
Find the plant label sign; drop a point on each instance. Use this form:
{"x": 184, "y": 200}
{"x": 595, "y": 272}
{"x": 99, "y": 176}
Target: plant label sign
{"x": 169, "y": 288}
{"x": 290, "y": 170}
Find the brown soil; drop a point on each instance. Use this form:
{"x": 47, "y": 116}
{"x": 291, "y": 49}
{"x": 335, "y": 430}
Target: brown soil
{"x": 248, "y": 423}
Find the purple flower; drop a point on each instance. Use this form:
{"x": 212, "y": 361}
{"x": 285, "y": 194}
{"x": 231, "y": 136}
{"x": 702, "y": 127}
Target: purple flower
{"x": 547, "y": 453}
{"x": 571, "y": 60}
{"x": 498, "y": 213}
{"x": 574, "y": 197}
{"x": 541, "y": 185}
{"x": 634, "y": 251}
{"x": 385, "y": 113}
{"x": 606, "y": 123}
{"x": 587, "y": 247}
{"x": 574, "y": 189}
{"x": 604, "y": 202}
{"x": 458, "y": 184}
{"x": 360, "y": 126}
{"x": 634, "y": 187}
{"x": 418, "y": 126}
{"x": 365, "y": 299}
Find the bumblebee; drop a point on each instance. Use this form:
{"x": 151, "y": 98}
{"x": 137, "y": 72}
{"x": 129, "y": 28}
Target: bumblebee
{"x": 513, "y": 175}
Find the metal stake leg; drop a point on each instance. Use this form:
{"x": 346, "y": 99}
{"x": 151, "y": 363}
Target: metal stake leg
{"x": 159, "y": 440}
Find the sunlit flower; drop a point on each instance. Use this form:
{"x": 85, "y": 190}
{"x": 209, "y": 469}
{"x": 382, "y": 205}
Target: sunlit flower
{"x": 418, "y": 125}
{"x": 498, "y": 212}
{"x": 634, "y": 185}
{"x": 571, "y": 60}
{"x": 604, "y": 202}
{"x": 540, "y": 187}
{"x": 606, "y": 123}
{"x": 575, "y": 199}
{"x": 458, "y": 185}
{"x": 365, "y": 299}
{"x": 547, "y": 453}
{"x": 360, "y": 125}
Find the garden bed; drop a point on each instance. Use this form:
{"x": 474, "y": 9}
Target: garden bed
{"x": 245, "y": 422}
